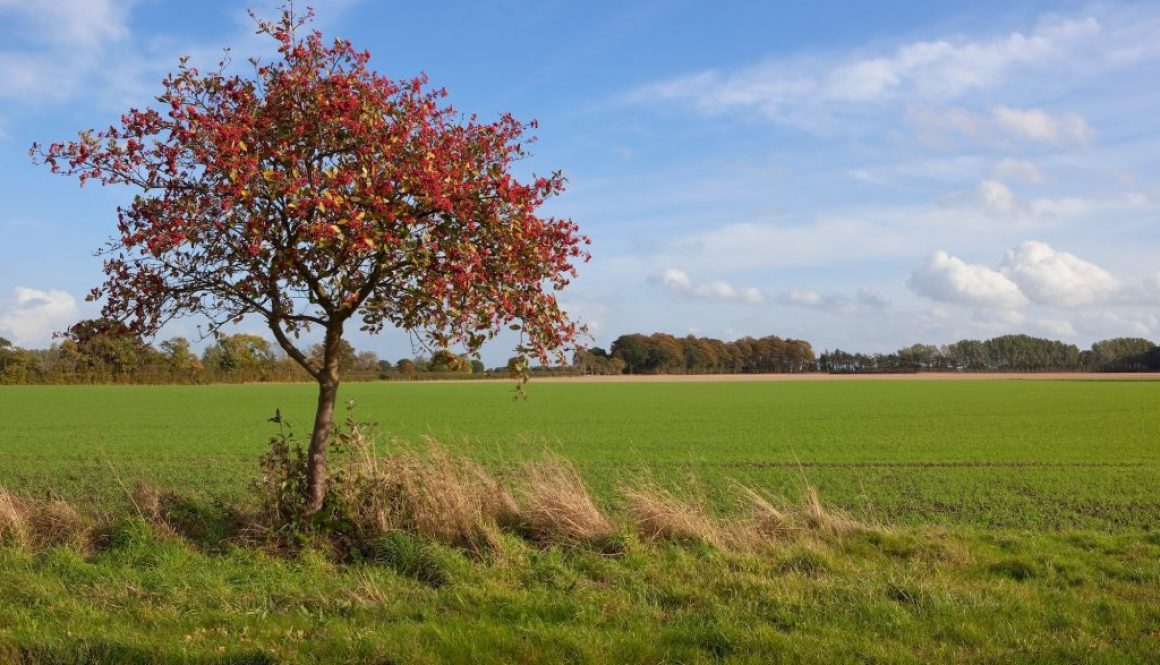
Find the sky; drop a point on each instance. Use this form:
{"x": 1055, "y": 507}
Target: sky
{"x": 860, "y": 175}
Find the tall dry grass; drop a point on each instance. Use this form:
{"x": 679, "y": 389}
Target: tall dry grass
{"x": 658, "y": 514}
{"x": 425, "y": 491}
{"x": 556, "y": 507}
{"x": 40, "y": 524}
{"x": 428, "y": 492}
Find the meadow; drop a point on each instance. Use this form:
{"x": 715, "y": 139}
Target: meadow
{"x": 1002, "y": 453}
{"x": 990, "y": 521}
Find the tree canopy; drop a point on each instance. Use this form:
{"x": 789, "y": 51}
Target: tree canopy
{"x": 317, "y": 191}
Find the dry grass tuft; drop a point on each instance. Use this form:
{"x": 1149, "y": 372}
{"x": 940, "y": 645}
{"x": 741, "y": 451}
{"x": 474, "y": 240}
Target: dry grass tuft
{"x": 658, "y": 514}
{"x": 146, "y": 500}
{"x": 764, "y": 520}
{"x": 826, "y": 522}
{"x": 26, "y": 522}
{"x": 557, "y": 507}
{"x": 14, "y": 528}
{"x": 426, "y": 492}
{"x": 54, "y": 523}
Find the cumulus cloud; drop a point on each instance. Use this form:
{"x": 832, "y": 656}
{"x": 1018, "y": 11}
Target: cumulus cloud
{"x": 1051, "y": 277}
{"x": 949, "y": 279}
{"x": 1032, "y": 272}
{"x": 31, "y": 316}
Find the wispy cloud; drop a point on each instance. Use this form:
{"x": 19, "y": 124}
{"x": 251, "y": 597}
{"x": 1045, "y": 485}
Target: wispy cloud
{"x": 809, "y": 91}
{"x": 1002, "y": 126}
{"x": 678, "y": 283}
{"x": 58, "y": 51}
{"x": 1018, "y": 170}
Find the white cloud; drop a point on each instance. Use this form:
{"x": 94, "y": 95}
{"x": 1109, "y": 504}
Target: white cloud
{"x": 864, "y": 299}
{"x": 1055, "y": 327}
{"x": 950, "y": 279}
{"x": 1106, "y": 324}
{"x": 1051, "y": 277}
{"x": 939, "y": 69}
{"x": 808, "y": 91}
{"x": 59, "y": 50}
{"x": 1032, "y": 272}
{"x": 1039, "y": 126}
{"x": 1004, "y": 126}
{"x": 991, "y": 196}
{"x": 677, "y": 282}
{"x": 56, "y": 45}
{"x": 73, "y": 23}
{"x": 590, "y": 311}
{"x": 31, "y": 316}
{"x": 1018, "y": 170}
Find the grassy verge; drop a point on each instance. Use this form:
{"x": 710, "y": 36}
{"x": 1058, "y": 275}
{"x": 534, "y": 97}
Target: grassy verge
{"x": 871, "y": 596}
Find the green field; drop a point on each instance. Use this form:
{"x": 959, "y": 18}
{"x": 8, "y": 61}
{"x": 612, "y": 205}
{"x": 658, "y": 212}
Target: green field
{"x": 1004, "y": 521}
{"x": 1007, "y": 453}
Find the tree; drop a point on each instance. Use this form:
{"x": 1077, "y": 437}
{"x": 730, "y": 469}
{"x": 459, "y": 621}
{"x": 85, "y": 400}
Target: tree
{"x": 242, "y": 353}
{"x": 444, "y": 361}
{"x": 406, "y": 367}
{"x": 103, "y": 349}
{"x": 1122, "y": 353}
{"x": 316, "y": 191}
{"x": 366, "y": 361}
{"x": 347, "y": 356}
{"x": 179, "y": 359}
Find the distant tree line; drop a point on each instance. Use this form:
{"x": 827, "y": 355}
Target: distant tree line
{"x": 102, "y": 351}
{"x": 1008, "y": 353}
{"x": 660, "y": 353}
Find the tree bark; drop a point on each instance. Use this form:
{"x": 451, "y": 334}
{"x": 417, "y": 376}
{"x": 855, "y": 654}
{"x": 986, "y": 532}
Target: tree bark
{"x": 316, "y": 476}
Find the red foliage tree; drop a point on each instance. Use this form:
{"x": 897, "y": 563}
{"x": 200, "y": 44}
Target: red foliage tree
{"x": 317, "y": 191}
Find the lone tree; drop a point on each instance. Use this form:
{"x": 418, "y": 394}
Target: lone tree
{"x": 316, "y": 192}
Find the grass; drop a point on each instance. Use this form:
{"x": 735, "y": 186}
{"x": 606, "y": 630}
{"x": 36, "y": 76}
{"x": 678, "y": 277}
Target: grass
{"x": 912, "y": 596}
{"x": 996, "y": 454}
{"x": 983, "y": 521}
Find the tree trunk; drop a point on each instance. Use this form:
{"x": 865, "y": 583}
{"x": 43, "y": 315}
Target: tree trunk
{"x": 316, "y": 476}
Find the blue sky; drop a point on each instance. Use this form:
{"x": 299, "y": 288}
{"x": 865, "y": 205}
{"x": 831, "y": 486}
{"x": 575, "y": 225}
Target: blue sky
{"x": 860, "y": 175}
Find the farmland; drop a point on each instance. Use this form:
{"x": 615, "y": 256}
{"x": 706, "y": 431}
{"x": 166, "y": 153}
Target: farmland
{"x": 1022, "y": 454}
{"x": 1005, "y": 521}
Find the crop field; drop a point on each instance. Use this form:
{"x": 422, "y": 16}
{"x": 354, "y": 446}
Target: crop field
{"x": 1005, "y": 453}
{"x": 993, "y": 521}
